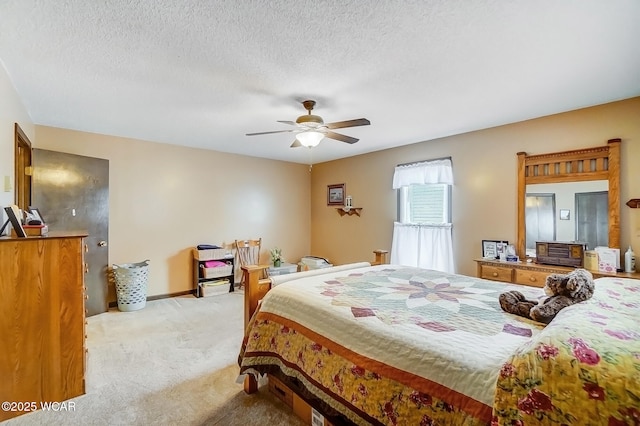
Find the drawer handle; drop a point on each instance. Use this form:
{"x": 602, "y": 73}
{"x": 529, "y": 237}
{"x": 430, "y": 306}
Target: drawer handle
{"x": 280, "y": 391}
{"x": 495, "y": 274}
{"x": 532, "y": 279}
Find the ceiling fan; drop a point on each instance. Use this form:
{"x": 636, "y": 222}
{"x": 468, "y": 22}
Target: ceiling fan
{"x": 311, "y": 129}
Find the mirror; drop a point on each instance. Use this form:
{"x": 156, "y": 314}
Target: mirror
{"x": 567, "y": 211}
{"x": 582, "y": 184}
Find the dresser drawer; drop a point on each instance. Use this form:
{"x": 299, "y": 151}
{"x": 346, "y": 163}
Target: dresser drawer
{"x": 531, "y": 278}
{"x": 283, "y": 393}
{"x": 496, "y": 273}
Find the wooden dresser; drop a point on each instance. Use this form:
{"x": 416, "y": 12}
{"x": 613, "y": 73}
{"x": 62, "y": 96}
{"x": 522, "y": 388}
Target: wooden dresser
{"x": 531, "y": 274}
{"x": 42, "y": 321}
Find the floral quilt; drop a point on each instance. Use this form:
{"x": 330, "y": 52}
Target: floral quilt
{"x": 582, "y": 369}
{"x": 390, "y": 344}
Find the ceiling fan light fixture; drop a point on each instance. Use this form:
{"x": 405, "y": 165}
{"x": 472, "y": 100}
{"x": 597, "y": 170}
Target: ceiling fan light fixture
{"x": 310, "y": 138}
{"x": 310, "y": 120}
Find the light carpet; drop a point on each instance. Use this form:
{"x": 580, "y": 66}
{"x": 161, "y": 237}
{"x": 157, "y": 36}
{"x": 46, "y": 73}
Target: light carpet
{"x": 173, "y": 362}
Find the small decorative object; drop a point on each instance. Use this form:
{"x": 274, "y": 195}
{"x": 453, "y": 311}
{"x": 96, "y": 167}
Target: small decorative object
{"x": 335, "y": 194}
{"x": 492, "y": 249}
{"x": 561, "y": 290}
{"x": 276, "y": 256}
{"x": 629, "y": 260}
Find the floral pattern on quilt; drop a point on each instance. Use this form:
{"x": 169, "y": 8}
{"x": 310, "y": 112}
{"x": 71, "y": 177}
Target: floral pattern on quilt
{"x": 426, "y": 298}
{"x": 583, "y": 368}
{"x": 385, "y": 400}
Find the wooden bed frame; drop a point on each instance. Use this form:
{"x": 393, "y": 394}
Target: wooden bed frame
{"x": 254, "y": 291}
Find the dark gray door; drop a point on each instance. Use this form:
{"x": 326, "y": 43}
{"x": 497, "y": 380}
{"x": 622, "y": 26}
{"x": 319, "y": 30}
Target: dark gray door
{"x": 540, "y": 222}
{"x": 592, "y": 218}
{"x": 72, "y": 194}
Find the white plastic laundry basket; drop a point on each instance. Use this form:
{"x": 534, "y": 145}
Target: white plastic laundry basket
{"x": 131, "y": 285}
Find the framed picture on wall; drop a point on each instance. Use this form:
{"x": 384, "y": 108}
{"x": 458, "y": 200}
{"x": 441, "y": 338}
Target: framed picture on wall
{"x": 335, "y": 194}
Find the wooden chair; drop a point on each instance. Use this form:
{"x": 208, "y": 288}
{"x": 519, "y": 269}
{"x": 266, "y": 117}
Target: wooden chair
{"x": 248, "y": 254}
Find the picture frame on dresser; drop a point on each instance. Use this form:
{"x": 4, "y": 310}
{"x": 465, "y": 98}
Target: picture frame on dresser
{"x": 15, "y": 221}
{"x": 36, "y": 214}
{"x": 492, "y": 249}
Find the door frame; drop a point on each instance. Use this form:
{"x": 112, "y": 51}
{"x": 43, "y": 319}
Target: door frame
{"x": 22, "y": 168}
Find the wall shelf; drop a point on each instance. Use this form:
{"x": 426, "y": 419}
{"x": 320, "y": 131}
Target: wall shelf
{"x": 351, "y": 211}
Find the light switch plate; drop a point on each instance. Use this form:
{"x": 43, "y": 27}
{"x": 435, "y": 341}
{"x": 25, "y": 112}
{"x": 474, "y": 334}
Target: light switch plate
{"x": 7, "y": 183}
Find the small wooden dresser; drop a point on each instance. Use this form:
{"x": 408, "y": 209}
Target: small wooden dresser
{"x": 531, "y": 274}
{"x": 42, "y": 321}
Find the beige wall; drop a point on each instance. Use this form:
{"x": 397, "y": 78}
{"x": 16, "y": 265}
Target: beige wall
{"x": 165, "y": 199}
{"x": 484, "y": 194}
{"x": 11, "y": 111}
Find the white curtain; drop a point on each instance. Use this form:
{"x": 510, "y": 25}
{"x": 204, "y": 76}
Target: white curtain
{"x": 423, "y": 245}
{"x": 435, "y": 171}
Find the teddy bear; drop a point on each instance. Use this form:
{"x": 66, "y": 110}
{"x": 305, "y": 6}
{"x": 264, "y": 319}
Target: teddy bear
{"x": 561, "y": 290}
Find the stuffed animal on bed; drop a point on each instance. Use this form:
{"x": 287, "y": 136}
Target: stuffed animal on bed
{"x": 562, "y": 290}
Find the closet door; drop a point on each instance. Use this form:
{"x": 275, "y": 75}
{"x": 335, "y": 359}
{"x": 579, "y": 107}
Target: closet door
{"x": 72, "y": 193}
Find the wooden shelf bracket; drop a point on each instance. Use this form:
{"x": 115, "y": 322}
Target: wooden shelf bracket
{"x": 349, "y": 211}
{"x": 634, "y": 203}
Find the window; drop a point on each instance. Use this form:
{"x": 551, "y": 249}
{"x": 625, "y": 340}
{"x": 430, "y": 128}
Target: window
{"x": 422, "y": 234}
{"x": 426, "y": 203}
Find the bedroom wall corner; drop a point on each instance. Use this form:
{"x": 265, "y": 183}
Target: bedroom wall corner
{"x": 12, "y": 111}
{"x": 485, "y": 189}
{"x": 166, "y": 199}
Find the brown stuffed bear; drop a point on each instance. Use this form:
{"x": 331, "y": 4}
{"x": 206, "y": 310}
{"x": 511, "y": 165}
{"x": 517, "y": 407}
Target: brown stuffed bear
{"x": 562, "y": 291}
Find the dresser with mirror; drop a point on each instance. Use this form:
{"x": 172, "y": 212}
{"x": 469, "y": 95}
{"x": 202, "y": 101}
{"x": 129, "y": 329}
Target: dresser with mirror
{"x": 562, "y": 196}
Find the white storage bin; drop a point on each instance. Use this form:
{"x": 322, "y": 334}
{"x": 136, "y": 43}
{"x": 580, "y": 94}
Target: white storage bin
{"x": 218, "y": 271}
{"x": 285, "y": 268}
{"x": 211, "y": 254}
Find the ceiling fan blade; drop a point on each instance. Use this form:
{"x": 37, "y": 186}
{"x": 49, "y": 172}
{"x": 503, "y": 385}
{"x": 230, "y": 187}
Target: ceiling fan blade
{"x": 295, "y": 144}
{"x": 339, "y": 137}
{"x": 292, "y": 123}
{"x": 348, "y": 123}
{"x": 266, "y": 133}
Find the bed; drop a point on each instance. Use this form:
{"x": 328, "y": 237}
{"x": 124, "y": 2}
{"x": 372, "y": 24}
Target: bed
{"x": 387, "y": 344}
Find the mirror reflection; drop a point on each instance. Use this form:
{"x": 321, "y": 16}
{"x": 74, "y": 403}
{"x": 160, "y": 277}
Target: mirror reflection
{"x": 570, "y": 211}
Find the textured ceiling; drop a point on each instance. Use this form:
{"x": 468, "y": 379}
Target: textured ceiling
{"x": 204, "y": 73}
